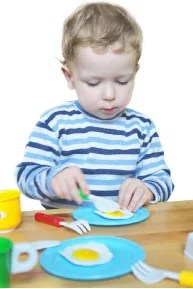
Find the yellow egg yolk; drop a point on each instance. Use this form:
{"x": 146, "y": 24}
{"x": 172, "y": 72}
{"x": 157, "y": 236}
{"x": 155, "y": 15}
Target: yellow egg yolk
{"x": 115, "y": 214}
{"x": 85, "y": 254}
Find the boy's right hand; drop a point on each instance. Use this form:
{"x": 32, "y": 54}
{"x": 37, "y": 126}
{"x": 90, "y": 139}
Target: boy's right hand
{"x": 67, "y": 183}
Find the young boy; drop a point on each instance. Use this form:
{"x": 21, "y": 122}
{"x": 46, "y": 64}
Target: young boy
{"x": 96, "y": 143}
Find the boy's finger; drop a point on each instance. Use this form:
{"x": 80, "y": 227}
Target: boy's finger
{"x": 139, "y": 205}
{"x": 137, "y": 200}
{"x": 134, "y": 192}
{"x": 126, "y": 199}
{"x": 123, "y": 190}
{"x": 61, "y": 192}
{"x": 81, "y": 183}
{"x": 73, "y": 191}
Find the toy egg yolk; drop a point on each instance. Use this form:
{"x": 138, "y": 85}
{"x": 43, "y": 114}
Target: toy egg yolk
{"x": 115, "y": 214}
{"x": 85, "y": 254}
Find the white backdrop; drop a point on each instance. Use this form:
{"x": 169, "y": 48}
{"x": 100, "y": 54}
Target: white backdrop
{"x": 31, "y": 81}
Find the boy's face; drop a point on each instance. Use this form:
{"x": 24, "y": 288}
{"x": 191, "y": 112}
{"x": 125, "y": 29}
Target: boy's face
{"x": 103, "y": 81}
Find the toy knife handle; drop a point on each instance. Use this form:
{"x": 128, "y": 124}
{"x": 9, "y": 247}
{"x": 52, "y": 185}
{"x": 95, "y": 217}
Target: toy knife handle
{"x": 48, "y": 219}
{"x": 82, "y": 195}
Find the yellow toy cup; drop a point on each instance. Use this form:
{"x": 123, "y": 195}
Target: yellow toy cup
{"x": 10, "y": 210}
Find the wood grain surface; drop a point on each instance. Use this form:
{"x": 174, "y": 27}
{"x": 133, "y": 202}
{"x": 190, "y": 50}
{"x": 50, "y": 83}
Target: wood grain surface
{"x": 162, "y": 235}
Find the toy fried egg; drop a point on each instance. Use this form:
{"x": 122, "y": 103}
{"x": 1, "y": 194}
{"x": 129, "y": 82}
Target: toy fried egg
{"x": 120, "y": 214}
{"x": 89, "y": 254}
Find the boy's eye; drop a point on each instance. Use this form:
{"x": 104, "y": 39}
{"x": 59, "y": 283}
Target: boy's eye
{"x": 92, "y": 83}
{"x": 122, "y": 82}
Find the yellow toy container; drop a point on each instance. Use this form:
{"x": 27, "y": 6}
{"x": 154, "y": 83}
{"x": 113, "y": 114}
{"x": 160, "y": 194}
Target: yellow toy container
{"x": 10, "y": 210}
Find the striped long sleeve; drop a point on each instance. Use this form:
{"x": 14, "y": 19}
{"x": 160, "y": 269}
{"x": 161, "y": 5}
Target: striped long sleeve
{"x": 107, "y": 151}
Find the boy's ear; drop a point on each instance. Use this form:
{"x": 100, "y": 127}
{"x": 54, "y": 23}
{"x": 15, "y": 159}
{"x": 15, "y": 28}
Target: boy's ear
{"x": 138, "y": 66}
{"x": 68, "y": 76}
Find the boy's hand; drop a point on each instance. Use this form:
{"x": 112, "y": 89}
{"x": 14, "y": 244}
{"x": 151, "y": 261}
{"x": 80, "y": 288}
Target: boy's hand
{"x": 67, "y": 182}
{"x": 133, "y": 194}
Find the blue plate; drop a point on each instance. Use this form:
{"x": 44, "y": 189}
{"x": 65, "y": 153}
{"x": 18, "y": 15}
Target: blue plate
{"x": 125, "y": 254}
{"x": 86, "y": 211}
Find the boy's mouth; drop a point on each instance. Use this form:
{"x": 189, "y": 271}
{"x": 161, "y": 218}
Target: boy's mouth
{"x": 109, "y": 111}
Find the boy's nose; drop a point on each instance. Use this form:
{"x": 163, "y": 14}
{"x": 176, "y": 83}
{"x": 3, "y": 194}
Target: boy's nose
{"x": 109, "y": 92}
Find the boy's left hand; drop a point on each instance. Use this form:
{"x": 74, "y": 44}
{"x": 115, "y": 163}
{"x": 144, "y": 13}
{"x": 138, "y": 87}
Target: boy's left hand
{"x": 133, "y": 194}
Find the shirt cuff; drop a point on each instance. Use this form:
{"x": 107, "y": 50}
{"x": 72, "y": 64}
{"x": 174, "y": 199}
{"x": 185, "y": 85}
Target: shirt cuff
{"x": 156, "y": 195}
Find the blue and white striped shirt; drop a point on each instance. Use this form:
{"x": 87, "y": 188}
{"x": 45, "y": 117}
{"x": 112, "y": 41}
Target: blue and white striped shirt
{"x": 107, "y": 151}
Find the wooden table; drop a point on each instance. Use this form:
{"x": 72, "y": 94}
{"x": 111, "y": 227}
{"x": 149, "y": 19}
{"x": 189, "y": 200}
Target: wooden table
{"x": 162, "y": 235}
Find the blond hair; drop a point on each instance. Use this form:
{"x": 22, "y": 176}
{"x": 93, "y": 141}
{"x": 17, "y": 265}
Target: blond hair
{"x": 100, "y": 25}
